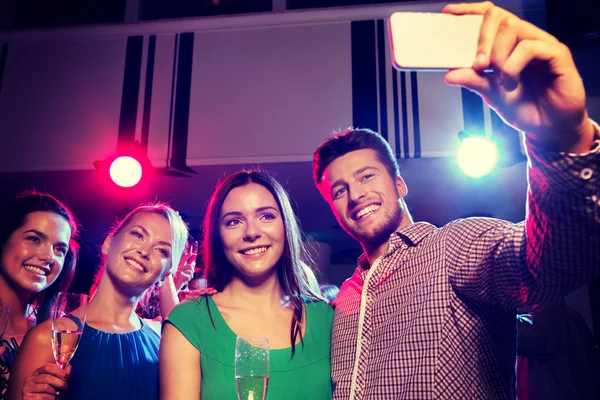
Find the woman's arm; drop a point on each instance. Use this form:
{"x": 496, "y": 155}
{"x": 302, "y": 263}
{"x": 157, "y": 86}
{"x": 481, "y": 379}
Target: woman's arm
{"x": 169, "y": 291}
{"x": 168, "y": 297}
{"x": 34, "y": 374}
{"x": 179, "y": 360}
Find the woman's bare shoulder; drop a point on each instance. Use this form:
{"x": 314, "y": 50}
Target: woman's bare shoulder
{"x": 39, "y": 335}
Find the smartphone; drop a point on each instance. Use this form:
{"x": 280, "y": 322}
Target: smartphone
{"x": 433, "y": 41}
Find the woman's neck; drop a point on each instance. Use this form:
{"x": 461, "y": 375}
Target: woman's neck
{"x": 19, "y": 308}
{"x": 264, "y": 295}
{"x": 109, "y": 306}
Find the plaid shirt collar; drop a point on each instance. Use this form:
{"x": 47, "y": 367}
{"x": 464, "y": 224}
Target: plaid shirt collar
{"x": 410, "y": 235}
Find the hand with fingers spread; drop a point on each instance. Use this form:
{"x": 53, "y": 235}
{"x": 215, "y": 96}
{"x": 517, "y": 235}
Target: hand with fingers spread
{"x": 46, "y": 382}
{"x": 534, "y": 86}
{"x": 187, "y": 265}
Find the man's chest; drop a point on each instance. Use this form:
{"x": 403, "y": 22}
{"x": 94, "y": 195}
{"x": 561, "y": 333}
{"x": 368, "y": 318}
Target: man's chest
{"x": 390, "y": 310}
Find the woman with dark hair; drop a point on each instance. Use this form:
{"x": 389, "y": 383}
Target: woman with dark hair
{"x": 38, "y": 255}
{"x": 253, "y": 255}
{"x": 117, "y": 357}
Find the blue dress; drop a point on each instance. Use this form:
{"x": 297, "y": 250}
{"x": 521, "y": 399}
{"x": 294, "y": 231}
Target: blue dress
{"x": 115, "y": 366}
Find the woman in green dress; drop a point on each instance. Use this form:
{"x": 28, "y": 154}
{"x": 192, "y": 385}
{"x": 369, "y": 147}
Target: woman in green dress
{"x": 261, "y": 287}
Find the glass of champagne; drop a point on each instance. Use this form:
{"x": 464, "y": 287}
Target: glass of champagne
{"x": 68, "y": 320}
{"x": 252, "y": 367}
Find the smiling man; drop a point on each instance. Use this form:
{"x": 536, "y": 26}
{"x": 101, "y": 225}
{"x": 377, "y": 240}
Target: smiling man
{"x": 430, "y": 313}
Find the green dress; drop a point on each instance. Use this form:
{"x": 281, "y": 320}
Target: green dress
{"x": 306, "y": 375}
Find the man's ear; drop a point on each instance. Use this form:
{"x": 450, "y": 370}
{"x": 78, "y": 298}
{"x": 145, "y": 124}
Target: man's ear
{"x": 401, "y": 187}
{"x": 106, "y": 245}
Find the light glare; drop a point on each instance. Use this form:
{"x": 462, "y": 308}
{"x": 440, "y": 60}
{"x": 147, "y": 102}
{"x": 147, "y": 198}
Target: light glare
{"x": 477, "y": 156}
{"x": 125, "y": 171}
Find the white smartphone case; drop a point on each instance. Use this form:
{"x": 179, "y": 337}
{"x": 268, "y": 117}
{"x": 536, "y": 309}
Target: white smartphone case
{"x": 433, "y": 41}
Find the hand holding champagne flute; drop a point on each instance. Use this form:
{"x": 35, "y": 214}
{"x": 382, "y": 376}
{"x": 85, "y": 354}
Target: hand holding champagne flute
{"x": 68, "y": 320}
{"x": 252, "y": 367}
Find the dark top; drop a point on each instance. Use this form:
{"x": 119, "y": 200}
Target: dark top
{"x": 112, "y": 366}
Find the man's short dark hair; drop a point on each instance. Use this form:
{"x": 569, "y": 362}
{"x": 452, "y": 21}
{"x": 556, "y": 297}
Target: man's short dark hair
{"x": 351, "y": 140}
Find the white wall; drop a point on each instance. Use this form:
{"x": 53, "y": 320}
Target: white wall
{"x": 264, "y": 88}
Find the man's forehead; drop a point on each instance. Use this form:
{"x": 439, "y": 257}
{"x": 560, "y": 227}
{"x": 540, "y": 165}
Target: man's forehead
{"x": 46, "y": 221}
{"x": 349, "y": 164}
{"x": 326, "y": 175}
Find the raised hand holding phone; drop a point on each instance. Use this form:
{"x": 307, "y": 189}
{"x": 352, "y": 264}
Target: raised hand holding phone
{"x": 535, "y": 86}
{"x": 521, "y": 71}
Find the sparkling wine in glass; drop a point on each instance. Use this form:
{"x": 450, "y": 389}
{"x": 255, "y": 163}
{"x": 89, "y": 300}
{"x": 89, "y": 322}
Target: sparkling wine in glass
{"x": 68, "y": 320}
{"x": 252, "y": 367}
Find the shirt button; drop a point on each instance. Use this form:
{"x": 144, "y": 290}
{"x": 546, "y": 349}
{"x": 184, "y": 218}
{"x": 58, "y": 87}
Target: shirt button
{"x": 404, "y": 246}
{"x": 586, "y": 173}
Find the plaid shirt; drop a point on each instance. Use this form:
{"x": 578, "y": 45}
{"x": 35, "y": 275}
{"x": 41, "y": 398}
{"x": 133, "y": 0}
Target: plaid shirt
{"x": 435, "y": 317}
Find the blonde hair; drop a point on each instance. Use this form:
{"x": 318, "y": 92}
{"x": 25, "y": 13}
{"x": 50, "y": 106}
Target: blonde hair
{"x": 179, "y": 234}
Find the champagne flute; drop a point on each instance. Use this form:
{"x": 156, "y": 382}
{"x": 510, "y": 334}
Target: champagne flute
{"x": 252, "y": 367}
{"x": 68, "y": 320}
